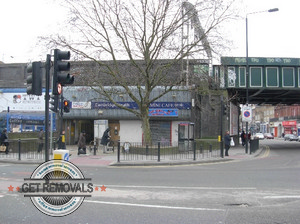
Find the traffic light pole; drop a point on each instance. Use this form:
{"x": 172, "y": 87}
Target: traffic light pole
{"x": 221, "y": 127}
{"x": 47, "y": 97}
{"x": 61, "y": 112}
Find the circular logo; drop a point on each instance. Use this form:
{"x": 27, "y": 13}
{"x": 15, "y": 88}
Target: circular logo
{"x": 57, "y": 188}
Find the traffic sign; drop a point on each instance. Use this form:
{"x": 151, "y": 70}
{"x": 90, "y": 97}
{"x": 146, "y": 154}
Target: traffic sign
{"x": 247, "y": 114}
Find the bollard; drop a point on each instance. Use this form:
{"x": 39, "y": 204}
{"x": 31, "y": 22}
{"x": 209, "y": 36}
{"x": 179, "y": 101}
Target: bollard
{"x": 119, "y": 149}
{"x": 158, "y": 152}
{"x": 19, "y": 146}
{"x": 94, "y": 148}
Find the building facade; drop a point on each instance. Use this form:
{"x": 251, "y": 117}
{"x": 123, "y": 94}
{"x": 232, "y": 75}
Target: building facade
{"x": 184, "y": 104}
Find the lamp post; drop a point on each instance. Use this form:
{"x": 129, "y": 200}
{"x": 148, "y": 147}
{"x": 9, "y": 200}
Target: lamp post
{"x": 247, "y": 68}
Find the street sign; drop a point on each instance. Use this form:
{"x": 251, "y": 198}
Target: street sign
{"x": 247, "y": 114}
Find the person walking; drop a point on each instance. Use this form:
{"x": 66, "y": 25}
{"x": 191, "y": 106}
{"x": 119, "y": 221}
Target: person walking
{"x": 105, "y": 139}
{"x": 243, "y": 137}
{"x": 41, "y": 140}
{"x": 4, "y": 140}
{"x": 61, "y": 142}
{"x": 227, "y": 140}
{"x": 82, "y": 143}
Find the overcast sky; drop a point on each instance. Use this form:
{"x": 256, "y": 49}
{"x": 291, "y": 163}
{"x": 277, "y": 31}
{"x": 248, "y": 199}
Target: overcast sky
{"x": 270, "y": 34}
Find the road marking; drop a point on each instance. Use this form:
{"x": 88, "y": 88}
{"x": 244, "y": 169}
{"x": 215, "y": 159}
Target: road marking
{"x": 282, "y": 197}
{"x": 178, "y": 187}
{"x": 266, "y": 153}
{"x": 154, "y": 206}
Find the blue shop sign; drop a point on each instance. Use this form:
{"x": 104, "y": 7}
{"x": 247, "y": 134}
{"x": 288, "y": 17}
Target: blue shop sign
{"x": 133, "y": 105}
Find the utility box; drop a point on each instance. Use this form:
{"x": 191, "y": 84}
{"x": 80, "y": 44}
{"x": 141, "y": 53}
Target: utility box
{"x": 61, "y": 154}
{"x": 186, "y": 138}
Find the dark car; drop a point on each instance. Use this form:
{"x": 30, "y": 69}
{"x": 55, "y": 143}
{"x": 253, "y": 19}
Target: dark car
{"x": 268, "y": 136}
{"x": 290, "y": 137}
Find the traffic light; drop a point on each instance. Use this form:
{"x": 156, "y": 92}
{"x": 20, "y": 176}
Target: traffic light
{"x": 59, "y": 78}
{"x": 224, "y": 109}
{"x": 34, "y": 78}
{"x": 54, "y": 102}
{"x": 66, "y": 106}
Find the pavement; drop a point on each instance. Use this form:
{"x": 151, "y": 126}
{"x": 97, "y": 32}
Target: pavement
{"x": 110, "y": 158}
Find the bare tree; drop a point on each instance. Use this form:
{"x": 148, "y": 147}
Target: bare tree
{"x": 140, "y": 31}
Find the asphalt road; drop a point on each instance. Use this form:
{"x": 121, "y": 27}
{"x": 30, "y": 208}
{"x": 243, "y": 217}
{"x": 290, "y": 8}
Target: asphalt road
{"x": 261, "y": 190}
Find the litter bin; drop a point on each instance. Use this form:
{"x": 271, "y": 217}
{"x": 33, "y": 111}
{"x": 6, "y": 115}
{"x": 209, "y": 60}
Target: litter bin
{"x": 62, "y": 154}
{"x": 254, "y": 145}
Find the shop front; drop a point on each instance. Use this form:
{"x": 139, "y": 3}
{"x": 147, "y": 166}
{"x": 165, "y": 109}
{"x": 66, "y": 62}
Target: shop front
{"x": 290, "y": 127}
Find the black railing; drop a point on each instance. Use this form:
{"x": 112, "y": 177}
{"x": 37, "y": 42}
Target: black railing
{"x": 129, "y": 151}
{"x": 25, "y": 149}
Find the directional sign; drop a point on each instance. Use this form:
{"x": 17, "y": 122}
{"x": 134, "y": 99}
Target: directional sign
{"x": 247, "y": 114}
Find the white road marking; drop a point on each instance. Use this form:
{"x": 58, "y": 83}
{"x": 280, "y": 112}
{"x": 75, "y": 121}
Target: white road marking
{"x": 154, "y": 206}
{"x": 282, "y": 197}
{"x": 178, "y": 187}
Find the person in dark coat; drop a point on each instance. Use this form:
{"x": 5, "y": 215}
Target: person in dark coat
{"x": 227, "y": 140}
{"x": 82, "y": 143}
{"x": 243, "y": 137}
{"x": 4, "y": 140}
{"x": 61, "y": 142}
{"x": 41, "y": 140}
{"x": 105, "y": 139}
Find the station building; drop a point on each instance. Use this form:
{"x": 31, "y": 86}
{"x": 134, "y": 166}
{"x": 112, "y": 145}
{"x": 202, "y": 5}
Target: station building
{"x": 21, "y": 112}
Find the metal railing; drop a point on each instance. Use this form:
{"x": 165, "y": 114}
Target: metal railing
{"x": 21, "y": 149}
{"x": 133, "y": 151}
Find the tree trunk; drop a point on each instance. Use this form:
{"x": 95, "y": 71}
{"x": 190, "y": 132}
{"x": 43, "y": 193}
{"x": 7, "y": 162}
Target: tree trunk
{"x": 147, "y": 139}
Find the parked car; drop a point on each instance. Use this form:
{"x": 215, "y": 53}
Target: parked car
{"x": 259, "y": 136}
{"x": 290, "y": 137}
{"x": 268, "y": 136}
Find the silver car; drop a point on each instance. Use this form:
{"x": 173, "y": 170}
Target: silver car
{"x": 290, "y": 137}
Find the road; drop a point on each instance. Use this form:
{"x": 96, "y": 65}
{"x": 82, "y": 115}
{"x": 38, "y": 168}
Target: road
{"x": 261, "y": 190}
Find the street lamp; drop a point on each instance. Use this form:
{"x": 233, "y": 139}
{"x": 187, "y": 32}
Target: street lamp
{"x": 247, "y": 67}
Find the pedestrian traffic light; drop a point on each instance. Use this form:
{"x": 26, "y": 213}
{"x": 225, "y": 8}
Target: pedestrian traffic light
{"x": 54, "y": 102}
{"x": 224, "y": 109}
{"x": 66, "y": 106}
{"x": 34, "y": 78}
{"x": 59, "y": 78}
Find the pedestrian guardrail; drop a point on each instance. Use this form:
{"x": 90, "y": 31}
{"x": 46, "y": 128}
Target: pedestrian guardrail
{"x": 133, "y": 151}
{"x": 25, "y": 149}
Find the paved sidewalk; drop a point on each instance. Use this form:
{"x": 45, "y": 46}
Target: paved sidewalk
{"x": 110, "y": 158}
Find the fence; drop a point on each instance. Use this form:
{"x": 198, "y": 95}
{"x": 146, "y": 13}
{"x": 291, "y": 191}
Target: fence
{"x": 25, "y": 149}
{"x": 164, "y": 152}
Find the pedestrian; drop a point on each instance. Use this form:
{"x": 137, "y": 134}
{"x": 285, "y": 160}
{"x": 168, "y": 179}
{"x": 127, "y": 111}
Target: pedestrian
{"x": 82, "y": 143}
{"x": 227, "y": 140}
{"x": 105, "y": 139}
{"x": 61, "y": 142}
{"x": 243, "y": 137}
{"x": 41, "y": 140}
{"x": 4, "y": 140}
